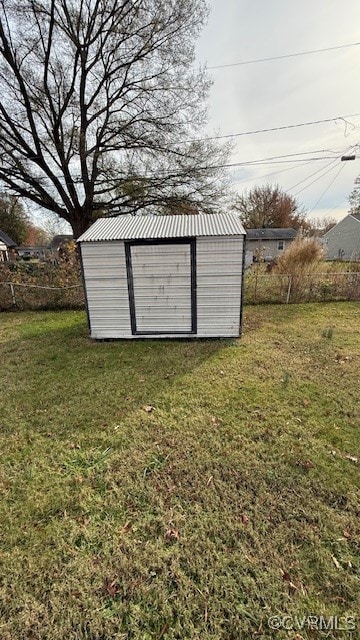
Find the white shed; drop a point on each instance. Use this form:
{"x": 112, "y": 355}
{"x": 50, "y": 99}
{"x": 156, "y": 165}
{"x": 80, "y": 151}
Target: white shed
{"x": 178, "y": 276}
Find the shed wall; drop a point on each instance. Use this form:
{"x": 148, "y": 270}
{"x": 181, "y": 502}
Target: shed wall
{"x": 219, "y": 265}
{"x": 106, "y": 289}
{"x": 219, "y": 280}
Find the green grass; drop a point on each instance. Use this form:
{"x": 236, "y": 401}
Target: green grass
{"x": 235, "y": 498}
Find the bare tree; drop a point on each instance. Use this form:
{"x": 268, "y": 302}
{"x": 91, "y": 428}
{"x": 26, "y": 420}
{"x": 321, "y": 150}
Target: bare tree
{"x": 354, "y": 197}
{"x": 100, "y": 107}
{"x": 319, "y": 226}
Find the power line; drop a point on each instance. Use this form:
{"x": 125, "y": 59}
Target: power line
{"x": 319, "y": 171}
{"x": 327, "y": 189}
{"x": 274, "y": 160}
{"x": 274, "y": 173}
{"x": 316, "y": 179}
{"x": 259, "y": 163}
{"x": 291, "y": 155}
{"x": 302, "y": 163}
{"x": 288, "y": 126}
{"x": 287, "y": 55}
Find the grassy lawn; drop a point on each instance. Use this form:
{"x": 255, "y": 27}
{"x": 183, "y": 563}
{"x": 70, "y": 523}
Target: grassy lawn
{"x": 179, "y": 490}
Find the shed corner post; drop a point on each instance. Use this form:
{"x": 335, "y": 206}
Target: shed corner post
{"x": 83, "y": 279}
{"x": 242, "y": 285}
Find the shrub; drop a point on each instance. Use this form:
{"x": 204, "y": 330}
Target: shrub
{"x": 304, "y": 255}
{"x": 42, "y": 285}
{"x": 302, "y": 258}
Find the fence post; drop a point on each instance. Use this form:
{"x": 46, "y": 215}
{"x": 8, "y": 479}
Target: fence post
{"x": 289, "y": 290}
{"x": 256, "y": 281}
{"x": 12, "y": 293}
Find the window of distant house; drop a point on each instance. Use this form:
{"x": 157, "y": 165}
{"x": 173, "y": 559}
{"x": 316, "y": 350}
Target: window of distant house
{"x": 281, "y": 245}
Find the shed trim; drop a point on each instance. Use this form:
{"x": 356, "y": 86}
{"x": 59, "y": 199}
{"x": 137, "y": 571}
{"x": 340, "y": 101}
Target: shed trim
{"x": 85, "y": 289}
{"x": 242, "y": 286}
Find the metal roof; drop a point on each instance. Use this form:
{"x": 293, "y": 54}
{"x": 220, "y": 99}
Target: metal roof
{"x": 270, "y": 234}
{"x": 150, "y": 227}
{"x": 7, "y": 240}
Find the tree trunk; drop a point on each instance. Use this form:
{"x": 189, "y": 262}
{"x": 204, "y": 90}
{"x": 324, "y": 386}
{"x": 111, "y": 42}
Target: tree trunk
{"x": 80, "y": 222}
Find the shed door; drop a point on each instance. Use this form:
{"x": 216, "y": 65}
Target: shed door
{"x": 162, "y": 277}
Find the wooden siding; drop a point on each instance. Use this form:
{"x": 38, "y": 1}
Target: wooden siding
{"x": 106, "y": 289}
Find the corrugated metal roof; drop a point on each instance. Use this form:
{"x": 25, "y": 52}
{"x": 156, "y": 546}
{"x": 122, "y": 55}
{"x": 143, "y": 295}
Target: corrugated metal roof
{"x": 270, "y": 234}
{"x": 153, "y": 227}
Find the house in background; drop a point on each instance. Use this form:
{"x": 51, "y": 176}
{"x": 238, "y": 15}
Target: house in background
{"x": 37, "y": 252}
{"x": 342, "y": 242}
{"x": 6, "y": 246}
{"x": 267, "y": 244}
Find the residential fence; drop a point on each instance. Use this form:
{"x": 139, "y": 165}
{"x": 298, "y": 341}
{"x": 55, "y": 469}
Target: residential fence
{"x": 259, "y": 288}
{"x": 23, "y": 296}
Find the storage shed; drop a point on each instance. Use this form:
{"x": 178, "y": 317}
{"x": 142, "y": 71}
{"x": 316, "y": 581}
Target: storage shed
{"x": 178, "y": 276}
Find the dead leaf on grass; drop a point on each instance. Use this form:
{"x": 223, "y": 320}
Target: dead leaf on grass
{"x": 286, "y": 577}
{"x": 352, "y": 458}
{"x": 305, "y": 464}
{"x": 111, "y": 587}
{"x": 244, "y": 519}
{"x": 172, "y": 535}
{"x": 149, "y": 408}
{"x": 336, "y": 562}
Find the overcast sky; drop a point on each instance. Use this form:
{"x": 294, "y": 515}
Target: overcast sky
{"x": 290, "y": 91}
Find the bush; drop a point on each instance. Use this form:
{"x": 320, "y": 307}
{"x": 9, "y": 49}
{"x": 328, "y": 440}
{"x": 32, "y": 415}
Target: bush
{"x": 302, "y": 258}
{"x": 43, "y": 285}
{"x": 304, "y": 255}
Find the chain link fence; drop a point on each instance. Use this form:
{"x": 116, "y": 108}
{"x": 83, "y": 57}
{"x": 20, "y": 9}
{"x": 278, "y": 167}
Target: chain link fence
{"x": 260, "y": 288}
{"x": 23, "y": 296}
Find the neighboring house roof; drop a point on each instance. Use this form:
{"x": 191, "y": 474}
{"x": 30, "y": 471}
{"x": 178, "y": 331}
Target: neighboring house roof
{"x": 7, "y": 240}
{"x": 59, "y": 240}
{"x": 130, "y": 227}
{"x": 356, "y": 216}
{"x": 271, "y": 234}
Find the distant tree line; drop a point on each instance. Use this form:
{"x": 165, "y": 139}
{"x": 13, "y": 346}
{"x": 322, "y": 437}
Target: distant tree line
{"x": 15, "y": 222}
